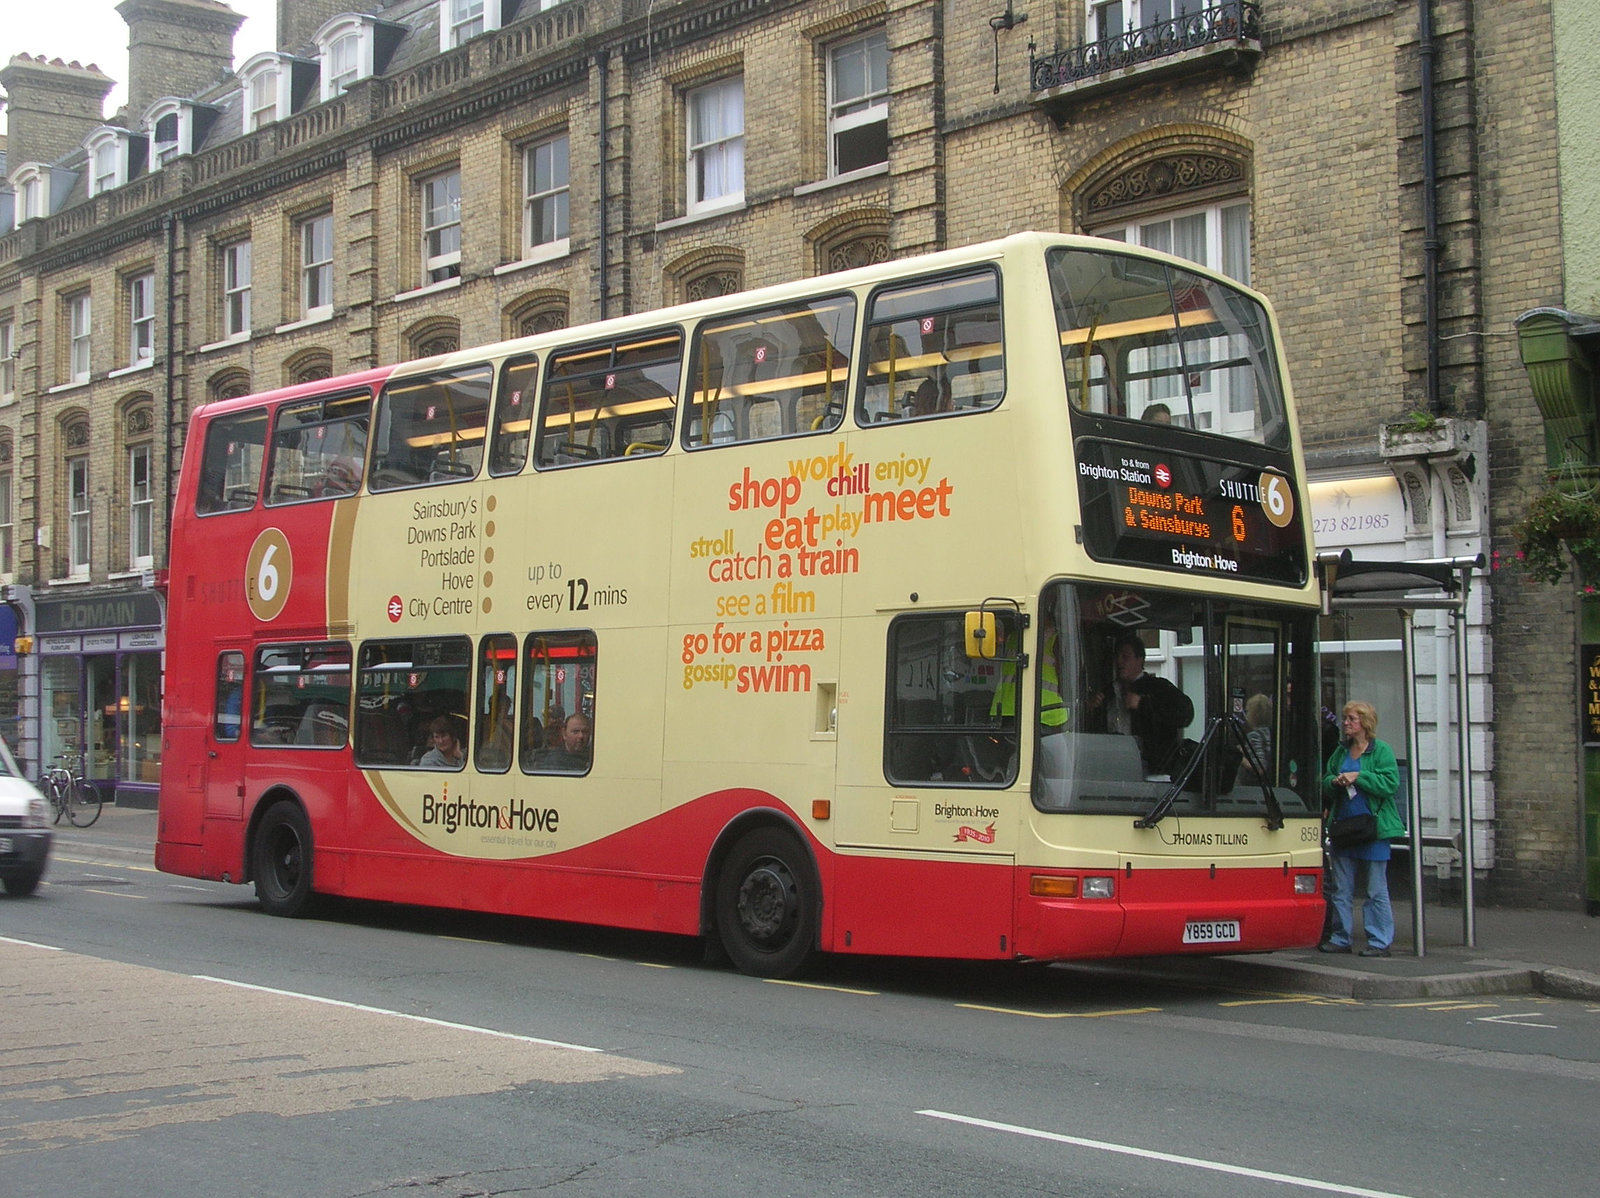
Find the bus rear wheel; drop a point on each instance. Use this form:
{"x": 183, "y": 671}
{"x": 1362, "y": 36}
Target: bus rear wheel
{"x": 281, "y": 860}
{"x": 767, "y": 904}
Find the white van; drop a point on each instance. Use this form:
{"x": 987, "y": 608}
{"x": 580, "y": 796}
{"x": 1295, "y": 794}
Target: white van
{"x": 24, "y": 828}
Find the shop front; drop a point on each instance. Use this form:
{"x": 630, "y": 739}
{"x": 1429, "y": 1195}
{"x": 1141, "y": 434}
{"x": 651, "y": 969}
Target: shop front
{"x": 100, "y": 663}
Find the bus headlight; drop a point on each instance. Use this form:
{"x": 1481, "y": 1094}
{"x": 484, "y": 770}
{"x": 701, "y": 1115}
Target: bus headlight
{"x": 1056, "y": 886}
{"x": 1305, "y": 883}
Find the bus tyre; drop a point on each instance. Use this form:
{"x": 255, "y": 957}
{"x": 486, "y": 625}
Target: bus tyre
{"x": 281, "y": 860}
{"x": 767, "y": 904}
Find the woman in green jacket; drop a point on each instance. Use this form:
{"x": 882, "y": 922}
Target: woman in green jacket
{"x": 1362, "y": 777}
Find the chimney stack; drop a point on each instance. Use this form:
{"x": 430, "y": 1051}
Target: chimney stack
{"x": 176, "y": 48}
{"x": 52, "y": 107}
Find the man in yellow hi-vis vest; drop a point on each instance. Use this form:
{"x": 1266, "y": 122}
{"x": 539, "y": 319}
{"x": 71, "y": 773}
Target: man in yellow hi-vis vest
{"x": 1052, "y": 708}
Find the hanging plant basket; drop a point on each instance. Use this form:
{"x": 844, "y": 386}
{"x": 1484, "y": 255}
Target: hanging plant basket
{"x": 1564, "y": 520}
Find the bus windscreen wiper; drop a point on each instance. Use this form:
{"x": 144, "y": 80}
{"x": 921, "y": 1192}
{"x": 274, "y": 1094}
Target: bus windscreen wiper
{"x": 1181, "y": 780}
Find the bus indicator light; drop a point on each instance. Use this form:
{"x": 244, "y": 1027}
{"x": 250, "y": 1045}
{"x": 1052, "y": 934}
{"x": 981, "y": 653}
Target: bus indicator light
{"x": 1046, "y": 886}
{"x": 821, "y": 809}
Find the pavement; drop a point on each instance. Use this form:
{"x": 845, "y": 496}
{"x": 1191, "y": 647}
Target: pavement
{"x": 1515, "y": 950}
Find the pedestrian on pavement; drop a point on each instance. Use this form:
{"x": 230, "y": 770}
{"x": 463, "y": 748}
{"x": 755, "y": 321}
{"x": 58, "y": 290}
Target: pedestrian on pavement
{"x": 1362, "y": 778}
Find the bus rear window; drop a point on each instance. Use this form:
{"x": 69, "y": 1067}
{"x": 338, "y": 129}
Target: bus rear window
{"x": 775, "y": 372}
{"x": 230, "y": 465}
{"x": 933, "y": 349}
{"x": 318, "y": 449}
{"x": 612, "y": 400}
{"x": 431, "y": 429}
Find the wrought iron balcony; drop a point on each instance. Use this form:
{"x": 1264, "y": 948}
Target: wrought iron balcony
{"x": 1229, "y": 30}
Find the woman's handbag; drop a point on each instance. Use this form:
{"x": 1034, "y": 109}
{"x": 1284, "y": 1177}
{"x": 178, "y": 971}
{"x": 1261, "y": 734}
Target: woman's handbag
{"x": 1353, "y": 831}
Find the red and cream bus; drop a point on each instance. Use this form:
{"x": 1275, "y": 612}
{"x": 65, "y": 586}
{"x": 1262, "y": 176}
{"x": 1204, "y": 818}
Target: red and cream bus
{"x": 790, "y": 619}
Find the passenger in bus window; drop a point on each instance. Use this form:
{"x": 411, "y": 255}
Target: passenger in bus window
{"x": 1146, "y": 706}
{"x": 572, "y": 755}
{"x": 447, "y": 753}
{"x": 1157, "y": 413}
{"x": 1258, "y": 735}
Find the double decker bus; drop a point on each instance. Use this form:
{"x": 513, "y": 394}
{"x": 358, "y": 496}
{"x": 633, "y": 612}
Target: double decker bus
{"x": 809, "y": 618}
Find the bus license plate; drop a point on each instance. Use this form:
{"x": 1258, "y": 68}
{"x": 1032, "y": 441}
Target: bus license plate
{"x": 1211, "y": 931}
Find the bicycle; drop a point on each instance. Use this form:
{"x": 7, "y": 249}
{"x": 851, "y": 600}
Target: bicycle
{"x": 70, "y": 793}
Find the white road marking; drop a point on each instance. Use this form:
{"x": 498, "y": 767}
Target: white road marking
{"x": 1191, "y": 1162}
{"x": 31, "y": 944}
{"x": 355, "y": 1006}
{"x": 1515, "y": 1019}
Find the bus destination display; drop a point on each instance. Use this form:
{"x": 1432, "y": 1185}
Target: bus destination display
{"x": 1174, "y": 511}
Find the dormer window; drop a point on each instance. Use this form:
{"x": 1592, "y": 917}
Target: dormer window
{"x": 462, "y": 20}
{"x": 107, "y": 149}
{"x": 266, "y": 80}
{"x": 31, "y": 185}
{"x": 345, "y": 45}
{"x": 164, "y": 144}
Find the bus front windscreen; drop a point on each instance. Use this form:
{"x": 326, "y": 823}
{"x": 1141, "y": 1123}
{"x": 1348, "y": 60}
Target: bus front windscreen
{"x": 1144, "y": 340}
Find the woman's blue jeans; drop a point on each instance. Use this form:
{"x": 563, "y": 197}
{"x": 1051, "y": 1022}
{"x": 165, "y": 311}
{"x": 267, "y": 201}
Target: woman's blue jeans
{"x": 1376, "y": 914}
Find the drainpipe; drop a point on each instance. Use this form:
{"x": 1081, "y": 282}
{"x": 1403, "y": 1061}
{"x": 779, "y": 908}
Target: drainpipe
{"x": 1430, "y": 203}
{"x": 603, "y": 61}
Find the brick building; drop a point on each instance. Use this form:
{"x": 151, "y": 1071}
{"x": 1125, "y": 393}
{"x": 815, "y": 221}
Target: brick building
{"x": 405, "y": 176}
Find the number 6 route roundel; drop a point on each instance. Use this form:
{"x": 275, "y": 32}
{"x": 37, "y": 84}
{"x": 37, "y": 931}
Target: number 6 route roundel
{"x": 269, "y": 574}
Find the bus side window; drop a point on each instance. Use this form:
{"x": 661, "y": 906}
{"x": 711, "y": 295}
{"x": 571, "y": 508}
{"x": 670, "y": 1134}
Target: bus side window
{"x": 558, "y": 702}
{"x": 230, "y": 465}
{"x": 596, "y": 397}
{"x": 301, "y": 695}
{"x": 402, "y": 688}
{"x": 934, "y": 348}
{"x": 228, "y": 712}
{"x": 431, "y": 429}
{"x": 318, "y": 449}
{"x": 949, "y": 718}
{"x": 495, "y": 712}
{"x": 775, "y": 372}
{"x": 513, "y": 416}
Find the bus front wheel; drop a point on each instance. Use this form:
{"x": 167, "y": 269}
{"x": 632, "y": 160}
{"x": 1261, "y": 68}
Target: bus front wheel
{"x": 282, "y": 861}
{"x": 767, "y": 904}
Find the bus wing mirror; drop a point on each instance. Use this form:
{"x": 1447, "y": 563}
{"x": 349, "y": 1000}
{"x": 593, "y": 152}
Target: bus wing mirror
{"x": 982, "y": 642}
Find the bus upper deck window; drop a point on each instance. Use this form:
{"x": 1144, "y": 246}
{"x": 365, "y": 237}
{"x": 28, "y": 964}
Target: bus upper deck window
{"x": 775, "y": 372}
{"x": 319, "y": 447}
{"x": 611, "y": 400}
{"x": 230, "y": 467}
{"x": 1145, "y": 341}
{"x": 513, "y": 416}
{"x": 431, "y": 429}
{"x": 933, "y": 348}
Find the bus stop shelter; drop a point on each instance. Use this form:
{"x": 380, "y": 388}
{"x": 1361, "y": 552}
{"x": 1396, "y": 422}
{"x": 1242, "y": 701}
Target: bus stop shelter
{"x": 1442, "y": 584}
